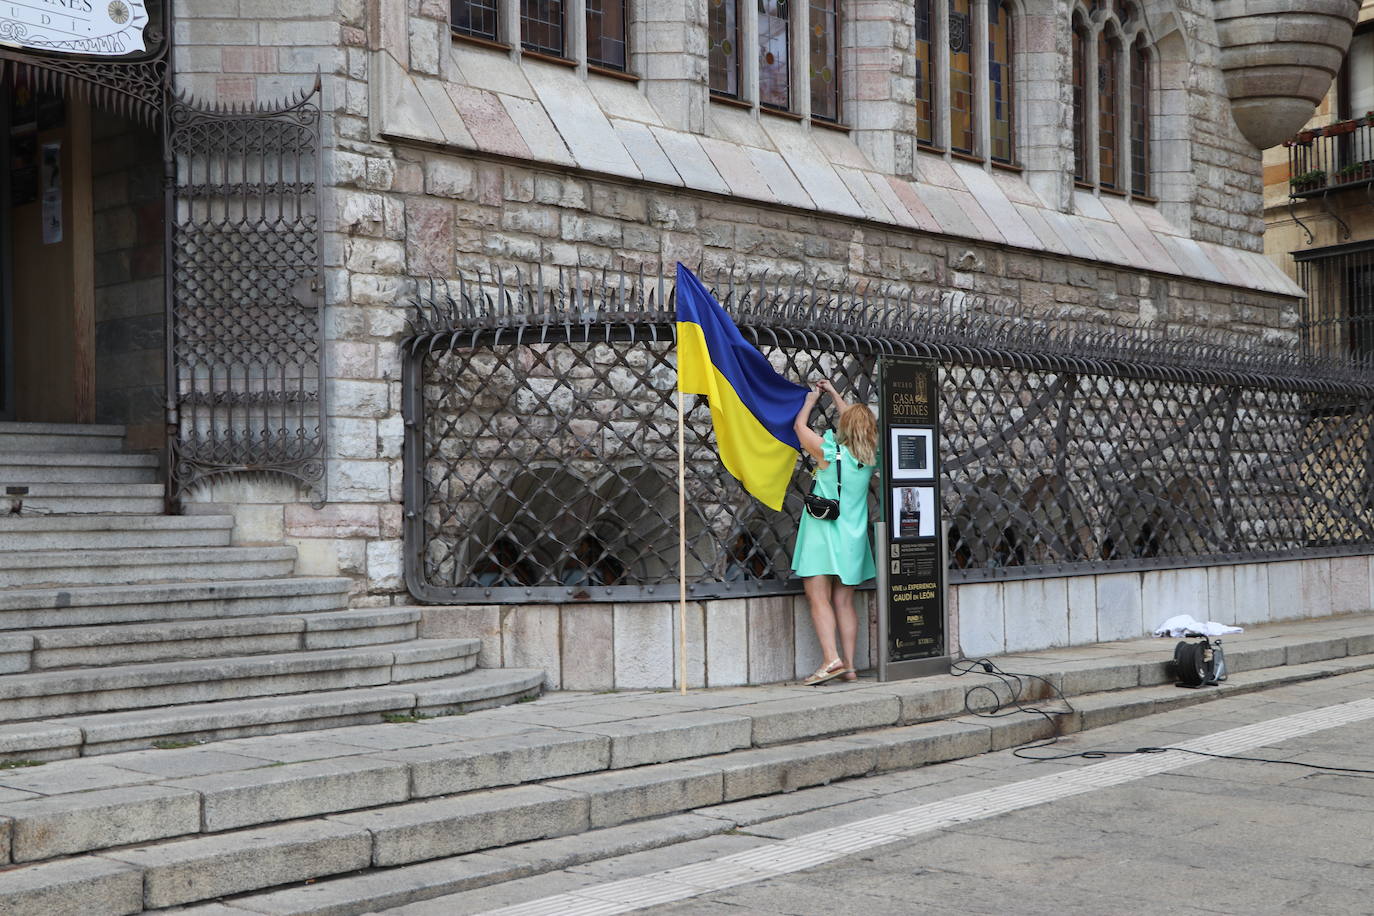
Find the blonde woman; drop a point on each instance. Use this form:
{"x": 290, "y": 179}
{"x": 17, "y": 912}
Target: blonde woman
{"x": 832, "y": 557}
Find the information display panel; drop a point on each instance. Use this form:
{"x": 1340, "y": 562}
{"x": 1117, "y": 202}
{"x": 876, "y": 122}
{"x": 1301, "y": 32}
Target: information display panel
{"x": 910, "y": 540}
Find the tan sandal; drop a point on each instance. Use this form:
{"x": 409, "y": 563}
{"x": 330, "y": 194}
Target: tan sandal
{"x": 824, "y": 673}
{"x": 849, "y": 674}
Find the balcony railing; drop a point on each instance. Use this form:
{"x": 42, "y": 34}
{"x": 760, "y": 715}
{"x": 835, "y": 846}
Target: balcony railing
{"x": 1335, "y": 157}
{"x": 1338, "y": 314}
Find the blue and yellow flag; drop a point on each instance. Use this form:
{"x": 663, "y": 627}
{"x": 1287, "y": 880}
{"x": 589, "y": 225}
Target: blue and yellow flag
{"x": 752, "y": 406}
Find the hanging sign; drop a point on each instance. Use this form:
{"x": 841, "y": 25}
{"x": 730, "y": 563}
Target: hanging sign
{"x": 911, "y": 584}
{"x": 100, "y": 28}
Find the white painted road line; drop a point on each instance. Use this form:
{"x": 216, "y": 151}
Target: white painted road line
{"x": 822, "y": 846}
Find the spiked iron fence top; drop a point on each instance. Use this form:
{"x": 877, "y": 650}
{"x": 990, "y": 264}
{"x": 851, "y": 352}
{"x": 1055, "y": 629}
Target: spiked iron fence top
{"x": 541, "y": 450}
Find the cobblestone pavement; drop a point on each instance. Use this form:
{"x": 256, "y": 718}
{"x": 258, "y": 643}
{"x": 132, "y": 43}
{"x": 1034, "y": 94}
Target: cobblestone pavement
{"x": 1162, "y": 834}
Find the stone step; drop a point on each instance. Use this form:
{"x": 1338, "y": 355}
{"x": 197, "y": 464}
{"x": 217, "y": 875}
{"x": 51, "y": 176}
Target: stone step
{"x": 455, "y": 787}
{"x": 426, "y": 810}
{"x": 31, "y": 569}
{"x": 68, "y": 692}
{"x": 113, "y": 733}
{"x": 32, "y": 608}
{"x": 119, "y": 532}
{"x": 82, "y": 499}
{"x": 19, "y": 468}
{"x": 131, "y": 644}
{"x": 66, "y": 438}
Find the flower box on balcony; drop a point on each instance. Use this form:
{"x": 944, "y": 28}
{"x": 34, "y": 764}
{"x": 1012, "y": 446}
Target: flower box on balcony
{"x": 1356, "y": 171}
{"x": 1308, "y": 181}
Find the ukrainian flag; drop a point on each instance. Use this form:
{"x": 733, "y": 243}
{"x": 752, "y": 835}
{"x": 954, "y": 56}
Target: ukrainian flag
{"x": 752, "y": 406}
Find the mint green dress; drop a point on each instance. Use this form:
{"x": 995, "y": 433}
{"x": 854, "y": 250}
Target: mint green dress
{"x": 842, "y": 547}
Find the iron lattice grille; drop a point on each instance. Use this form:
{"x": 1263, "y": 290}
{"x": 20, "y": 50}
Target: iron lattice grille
{"x": 244, "y": 293}
{"x": 541, "y": 450}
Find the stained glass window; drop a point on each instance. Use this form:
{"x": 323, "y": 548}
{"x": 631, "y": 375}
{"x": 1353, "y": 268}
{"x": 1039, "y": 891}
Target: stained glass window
{"x": 825, "y": 59}
{"x": 541, "y": 26}
{"x": 1080, "y": 107}
{"x": 925, "y": 74}
{"x": 961, "y": 138}
{"x": 1140, "y": 118}
{"x": 775, "y": 73}
{"x": 606, "y": 34}
{"x": 723, "y": 55}
{"x": 1108, "y": 92}
{"x": 1000, "y": 90}
{"x": 477, "y": 18}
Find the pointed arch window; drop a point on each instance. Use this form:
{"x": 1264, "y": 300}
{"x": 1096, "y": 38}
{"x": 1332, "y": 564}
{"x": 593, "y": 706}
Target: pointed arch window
{"x": 825, "y": 59}
{"x": 961, "y": 108}
{"x": 1111, "y": 98}
{"x": 775, "y": 52}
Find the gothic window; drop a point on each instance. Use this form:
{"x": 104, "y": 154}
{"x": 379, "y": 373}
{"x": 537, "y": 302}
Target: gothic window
{"x": 476, "y": 18}
{"x": 723, "y": 55}
{"x": 1111, "y": 98}
{"x": 925, "y": 74}
{"x": 541, "y": 27}
{"x": 825, "y": 59}
{"x": 606, "y": 45}
{"x": 775, "y": 71}
{"x": 1140, "y": 118}
{"x": 1108, "y": 98}
{"x": 961, "y": 111}
{"x": 1002, "y": 145}
{"x": 1080, "y": 92}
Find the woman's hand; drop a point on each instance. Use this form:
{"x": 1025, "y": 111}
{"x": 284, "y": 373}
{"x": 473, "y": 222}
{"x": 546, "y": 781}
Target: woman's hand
{"x": 824, "y": 386}
{"x": 828, "y": 387}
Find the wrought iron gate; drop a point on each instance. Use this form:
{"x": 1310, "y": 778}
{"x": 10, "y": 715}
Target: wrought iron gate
{"x": 244, "y": 298}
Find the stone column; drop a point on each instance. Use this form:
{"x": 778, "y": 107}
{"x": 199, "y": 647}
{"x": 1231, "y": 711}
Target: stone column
{"x": 880, "y": 82}
{"x": 671, "y": 56}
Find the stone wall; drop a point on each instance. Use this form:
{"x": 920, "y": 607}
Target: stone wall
{"x": 126, "y": 165}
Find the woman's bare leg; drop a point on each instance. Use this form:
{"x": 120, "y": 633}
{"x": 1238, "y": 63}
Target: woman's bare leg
{"x": 842, "y": 600}
{"x": 822, "y": 614}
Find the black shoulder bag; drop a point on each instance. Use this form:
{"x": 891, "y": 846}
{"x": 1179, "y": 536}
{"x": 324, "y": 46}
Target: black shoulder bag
{"x": 827, "y": 510}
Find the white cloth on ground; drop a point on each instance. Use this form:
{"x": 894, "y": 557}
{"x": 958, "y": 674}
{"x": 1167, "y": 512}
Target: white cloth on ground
{"x": 1183, "y": 623}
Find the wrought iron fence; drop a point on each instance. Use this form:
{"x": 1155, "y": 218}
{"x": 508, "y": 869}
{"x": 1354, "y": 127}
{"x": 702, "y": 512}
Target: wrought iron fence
{"x": 540, "y": 457}
{"x": 244, "y": 292}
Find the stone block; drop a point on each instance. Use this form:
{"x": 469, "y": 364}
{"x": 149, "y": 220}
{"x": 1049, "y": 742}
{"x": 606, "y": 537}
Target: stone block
{"x": 920, "y": 745}
{"x": 658, "y": 739}
{"x": 270, "y": 794}
{"x": 644, "y": 645}
{"x": 1221, "y": 593}
{"x": 727, "y": 642}
{"x": 1094, "y": 712}
{"x": 925, "y": 699}
{"x": 771, "y": 770}
{"x": 1241, "y": 657}
{"x": 982, "y": 629}
{"x": 471, "y": 621}
{"x": 806, "y": 648}
{"x": 1119, "y": 613}
{"x": 771, "y": 641}
{"x": 188, "y": 870}
{"x": 1035, "y": 614}
{"x": 530, "y": 636}
{"x": 628, "y": 795}
{"x": 74, "y": 887}
{"x": 797, "y": 718}
{"x": 1082, "y": 609}
{"x": 1350, "y": 585}
{"x": 1315, "y": 576}
{"x": 481, "y": 820}
{"x": 1285, "y": 590}
{"x": 81, "y": 821}
{"x": 1096, "y": 677}
{"x": 696, "y": 645}
{"x": 501, "y": 760}
{"x": 588, "y": 647}
{"x": 1251, "y": 582}
{"x": 1165, "y": 593}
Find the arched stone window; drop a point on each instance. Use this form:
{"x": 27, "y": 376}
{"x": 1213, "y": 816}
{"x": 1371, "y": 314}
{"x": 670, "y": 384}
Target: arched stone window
{"x": 825, "y": 59}
{"x": 1111, "y": 98}
{"x": 925, "y": 73}
{"x": 775, "y": 54}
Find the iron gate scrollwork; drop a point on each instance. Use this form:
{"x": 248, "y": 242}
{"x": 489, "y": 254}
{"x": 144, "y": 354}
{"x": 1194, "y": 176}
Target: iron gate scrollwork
{"x": 245, "y": 312}
{"x": 541, "y": 448}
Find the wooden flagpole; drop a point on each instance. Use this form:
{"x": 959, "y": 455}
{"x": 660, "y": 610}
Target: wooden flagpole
{"x": 681, "y": 547}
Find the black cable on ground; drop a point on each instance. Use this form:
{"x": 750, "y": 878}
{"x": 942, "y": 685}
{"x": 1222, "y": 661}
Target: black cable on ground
{"x": 1014, "y": 683}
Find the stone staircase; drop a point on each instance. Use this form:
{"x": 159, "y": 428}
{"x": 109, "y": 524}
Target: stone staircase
{"x": 121, "y": 628}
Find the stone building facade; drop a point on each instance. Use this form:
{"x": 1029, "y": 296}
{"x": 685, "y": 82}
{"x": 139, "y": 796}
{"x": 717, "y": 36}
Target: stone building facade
{"x": 1129, "y": 197}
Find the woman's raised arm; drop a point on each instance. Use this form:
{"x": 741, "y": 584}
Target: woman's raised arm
{"x": 811, "y": 443}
